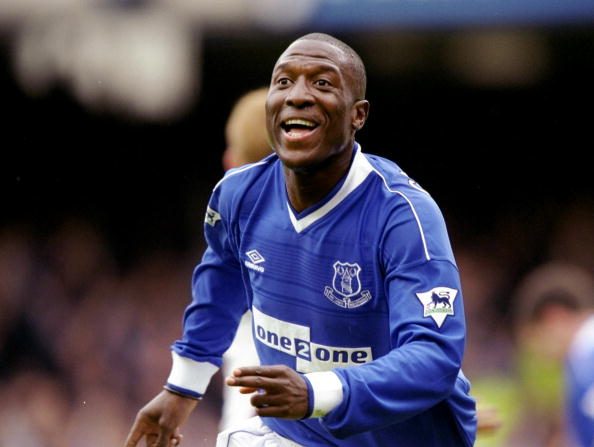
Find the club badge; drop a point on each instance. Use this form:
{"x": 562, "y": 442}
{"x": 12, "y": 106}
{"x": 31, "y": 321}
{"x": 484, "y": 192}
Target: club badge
{"x": 346, "y": 286}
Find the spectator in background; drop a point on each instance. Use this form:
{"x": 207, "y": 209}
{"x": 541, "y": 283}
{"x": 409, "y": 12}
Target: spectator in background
{"x": 68, "y": 315}
{"x": 17, "y": 267}
{"x": 247, "y": 142}
{"x": 554, "y": 322}
{"x": 487, "y": 356}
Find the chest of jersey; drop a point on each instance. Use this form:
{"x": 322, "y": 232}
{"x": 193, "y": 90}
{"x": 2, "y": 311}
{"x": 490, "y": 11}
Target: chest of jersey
{"x": 317, "y": 295}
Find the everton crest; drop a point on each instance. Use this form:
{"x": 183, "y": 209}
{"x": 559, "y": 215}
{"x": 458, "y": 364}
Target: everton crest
{"x": 346, "y": 286}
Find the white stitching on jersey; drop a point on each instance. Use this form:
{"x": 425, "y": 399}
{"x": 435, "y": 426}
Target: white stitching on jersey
{"x": 414, "y": 211}
{"x": 232, "y": 172}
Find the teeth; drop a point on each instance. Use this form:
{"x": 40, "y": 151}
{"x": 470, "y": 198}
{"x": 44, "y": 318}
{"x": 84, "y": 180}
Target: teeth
{"x": 299, "y": 122}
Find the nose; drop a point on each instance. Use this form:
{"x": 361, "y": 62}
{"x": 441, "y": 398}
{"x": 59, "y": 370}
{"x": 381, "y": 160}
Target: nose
{"x": 299, "y": 95}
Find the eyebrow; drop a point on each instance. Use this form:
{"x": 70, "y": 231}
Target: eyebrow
{"x": 323, "y": 67}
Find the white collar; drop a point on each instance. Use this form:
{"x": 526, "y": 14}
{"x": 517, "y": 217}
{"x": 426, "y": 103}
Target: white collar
{"x": 358, "y": 172}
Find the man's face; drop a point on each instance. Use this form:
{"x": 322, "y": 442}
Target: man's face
{"x": 310, "y": 111}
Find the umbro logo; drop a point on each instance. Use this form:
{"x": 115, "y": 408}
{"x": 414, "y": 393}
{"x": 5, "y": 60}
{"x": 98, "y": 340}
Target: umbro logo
{"x": 255, "y": 258}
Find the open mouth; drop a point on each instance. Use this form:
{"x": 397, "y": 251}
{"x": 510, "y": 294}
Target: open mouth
{"x": 298, "y": 127}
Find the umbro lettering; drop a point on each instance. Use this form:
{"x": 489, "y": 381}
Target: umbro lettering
{"x": 253, "y": 266}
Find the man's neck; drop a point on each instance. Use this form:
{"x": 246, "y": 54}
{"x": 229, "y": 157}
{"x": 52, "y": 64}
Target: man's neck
{"x": 306, "y": 187}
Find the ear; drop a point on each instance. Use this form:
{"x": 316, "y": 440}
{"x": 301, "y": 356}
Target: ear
{"x": 228, "y": 159}
{"x": 359, "y": 113}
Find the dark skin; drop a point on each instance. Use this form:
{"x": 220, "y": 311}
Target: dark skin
{"x": 312, "y": 82}
{"x": 158, "y": 421}
{"x": 278, "y": 391}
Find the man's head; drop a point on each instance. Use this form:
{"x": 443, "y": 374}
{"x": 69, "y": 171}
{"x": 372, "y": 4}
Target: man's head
{"x": 550, "y": 302}
{"x": 355, "y": 72}
{"x": 245, "y": 132}
{"x": 316, "y": 102}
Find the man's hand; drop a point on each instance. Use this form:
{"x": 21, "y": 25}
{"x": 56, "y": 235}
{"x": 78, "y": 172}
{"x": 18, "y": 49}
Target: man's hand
{"x": 160, "y": 419}
{"x": 279, "y": 391}
{"x": 489, "y": 420}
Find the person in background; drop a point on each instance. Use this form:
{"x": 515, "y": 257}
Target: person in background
{"x": 245, "y": 132}
{"x": 247, "y": 142}
{"x": 554, "y": 321}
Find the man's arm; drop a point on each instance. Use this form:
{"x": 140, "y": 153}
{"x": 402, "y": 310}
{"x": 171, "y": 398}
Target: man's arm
{"x": 159, "y": 420}
{"x": 420, "y": 371}
{"x": 427, "y": 329}
{"x": 210, "y": 322}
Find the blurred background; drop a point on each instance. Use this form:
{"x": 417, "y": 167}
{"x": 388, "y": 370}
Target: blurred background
{"x": 112, "y": 139}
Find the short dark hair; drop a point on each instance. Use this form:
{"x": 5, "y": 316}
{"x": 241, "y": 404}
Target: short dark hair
{"x": 358, "y": 75}
{"x": 553, "y": 284}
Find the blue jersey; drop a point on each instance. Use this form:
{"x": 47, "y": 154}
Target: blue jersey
{"x": 363, "y": 284}
{"x": 580, "y": 386}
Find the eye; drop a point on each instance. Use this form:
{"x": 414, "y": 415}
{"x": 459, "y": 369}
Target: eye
{"x": 283, "y": 82}
{"x": 322, "y": 83}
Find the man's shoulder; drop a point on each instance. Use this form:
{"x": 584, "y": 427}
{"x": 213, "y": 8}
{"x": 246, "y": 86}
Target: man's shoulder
{"x": 404, "y": 198}
{"x": 397, "y": 185}
{"x": 239, "y": 180}
{"x": 240, "y": 187}
{"x": 412, "y": 218}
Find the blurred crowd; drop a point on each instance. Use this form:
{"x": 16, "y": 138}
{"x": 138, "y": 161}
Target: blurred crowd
{"x": 84, "y": 342}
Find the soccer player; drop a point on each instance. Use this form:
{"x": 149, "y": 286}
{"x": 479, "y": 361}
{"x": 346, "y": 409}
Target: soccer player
{"x": 555, "y": 321}
{"x": 346, "y": 265}
{"x": 245, "y": 130}
{"x": 247, "y": 142}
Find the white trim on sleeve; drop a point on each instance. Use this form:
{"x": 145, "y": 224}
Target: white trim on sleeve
{"x": 190, "y": 374}
{"x": 327, "y": 392}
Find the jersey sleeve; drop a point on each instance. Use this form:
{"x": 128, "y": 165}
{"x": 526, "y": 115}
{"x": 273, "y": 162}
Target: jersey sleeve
{"x": 426, "y": 323}
{"x": 218, "y": 303}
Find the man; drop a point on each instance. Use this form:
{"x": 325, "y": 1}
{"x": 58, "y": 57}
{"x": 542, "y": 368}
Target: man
{"x": 346, "y": 265}
{"x": 245, "y": 130}
{"x": 247, "y": 142}
{"x": 555, "y": 325}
